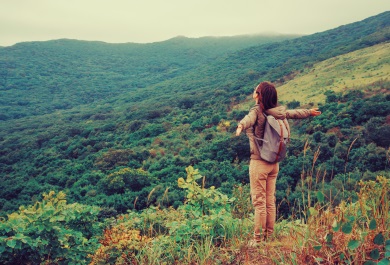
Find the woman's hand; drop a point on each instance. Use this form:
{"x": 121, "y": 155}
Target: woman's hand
{"x": 239, "y": 130}
{"x": 315, "y": 112}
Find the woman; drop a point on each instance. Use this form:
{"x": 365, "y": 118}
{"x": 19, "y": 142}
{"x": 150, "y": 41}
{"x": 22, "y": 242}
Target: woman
{"x": 263, "y": 174}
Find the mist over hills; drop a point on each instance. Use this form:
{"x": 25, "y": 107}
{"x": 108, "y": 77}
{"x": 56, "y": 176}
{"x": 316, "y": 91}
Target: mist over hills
{"x": 73, "y": 114}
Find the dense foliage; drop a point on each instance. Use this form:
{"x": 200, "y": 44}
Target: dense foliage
{"x": 43, "y": 77}
{"x": 103, "y": 167}
{"x": 210, "y": 228}
{"x": 50, "y": 230}
{"x": 124, "y": 130}
{"x": 125, "y": 150}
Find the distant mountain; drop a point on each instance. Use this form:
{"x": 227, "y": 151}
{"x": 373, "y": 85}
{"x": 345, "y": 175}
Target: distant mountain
{"x": 41, "y": 77}
{"x": 237, "y": 73}
{"x": 226, "y": 44}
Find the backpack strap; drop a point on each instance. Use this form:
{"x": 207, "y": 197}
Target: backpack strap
{"x": 287, "y": 127}
{"x": 281, "y": 139}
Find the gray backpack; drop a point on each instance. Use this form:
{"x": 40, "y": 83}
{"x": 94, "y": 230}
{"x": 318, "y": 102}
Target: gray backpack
{"x": 273, "y": 146}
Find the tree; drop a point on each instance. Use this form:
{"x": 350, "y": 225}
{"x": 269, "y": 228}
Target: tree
{"x": 378, "y": 131}
{"x": 293, "y": 104}
{"x": 331, "y": 96}
{"x": 126, "y": 179}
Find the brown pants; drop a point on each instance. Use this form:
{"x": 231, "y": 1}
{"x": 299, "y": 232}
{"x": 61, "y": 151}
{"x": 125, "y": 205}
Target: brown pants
{"x": 263, "y": 183}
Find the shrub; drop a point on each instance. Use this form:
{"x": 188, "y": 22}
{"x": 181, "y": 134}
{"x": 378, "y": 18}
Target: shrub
{"x": 186, "y": 235}
{"x": 126, "y": 179}
{"x": 50, "y": 230}
{"x": 119, "y": 245}
{"x": 351, "y": 233}
{"x": 113, "y": 158}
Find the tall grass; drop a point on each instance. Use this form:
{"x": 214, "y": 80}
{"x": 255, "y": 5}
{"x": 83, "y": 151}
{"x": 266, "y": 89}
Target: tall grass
{"x": 213, "y": 229}
{"x": 352, "y": 232}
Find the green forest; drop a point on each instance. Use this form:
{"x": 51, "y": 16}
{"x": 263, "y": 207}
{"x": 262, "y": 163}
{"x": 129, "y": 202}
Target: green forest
{"x": 100, "y": 138}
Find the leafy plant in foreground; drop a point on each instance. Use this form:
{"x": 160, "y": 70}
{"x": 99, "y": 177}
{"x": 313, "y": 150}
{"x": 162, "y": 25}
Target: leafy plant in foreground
{"x": 184, "y": 235}
{"x": 352, "y": 233}
{"x": 119, "y": 245}
{"x": 49, "y": 231}
{"x": 208, "y": 200}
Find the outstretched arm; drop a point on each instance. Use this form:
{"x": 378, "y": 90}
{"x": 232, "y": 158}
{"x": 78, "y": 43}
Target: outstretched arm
{"x": 248, "y": 121}
{"x": 302, "y": 113}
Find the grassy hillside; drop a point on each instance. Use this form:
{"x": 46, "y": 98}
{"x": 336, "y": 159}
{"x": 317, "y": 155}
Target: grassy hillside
{"x": 236, "y": 74}
{"x": 349, "y": 71}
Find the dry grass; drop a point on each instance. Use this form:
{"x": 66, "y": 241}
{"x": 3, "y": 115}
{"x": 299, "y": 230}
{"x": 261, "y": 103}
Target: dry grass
{"x": 351, "y": 70}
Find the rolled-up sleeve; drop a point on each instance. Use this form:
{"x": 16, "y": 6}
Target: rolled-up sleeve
{"x": 298, "y": 114}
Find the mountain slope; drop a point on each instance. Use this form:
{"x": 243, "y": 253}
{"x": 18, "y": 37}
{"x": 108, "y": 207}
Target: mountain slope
{"x": 62, "y": 74}
{"x": 189, "y": 119}
{"x": 237, "y": 73}
{"x": 352, "y": 70}
{"x": 41, "y": 77}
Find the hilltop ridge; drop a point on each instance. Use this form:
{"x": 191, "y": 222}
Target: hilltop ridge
{"x": 63, "y": 74}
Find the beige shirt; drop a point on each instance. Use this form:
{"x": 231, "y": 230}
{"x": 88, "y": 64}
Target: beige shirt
{"x": 256, "y": 115}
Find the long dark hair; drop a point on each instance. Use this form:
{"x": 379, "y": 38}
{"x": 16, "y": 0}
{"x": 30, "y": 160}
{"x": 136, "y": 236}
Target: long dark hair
{"x": 268, "y": 95}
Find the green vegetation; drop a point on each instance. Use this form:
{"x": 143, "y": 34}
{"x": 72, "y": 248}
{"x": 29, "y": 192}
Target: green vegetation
{"x": 351, "y": 233}
{"x": 115, "y": 127}
{"x": 115, "y": 162}
{"x": 37, "y": 78}
{"x": 50, "y": 230}
{"x": 210, "y": 228}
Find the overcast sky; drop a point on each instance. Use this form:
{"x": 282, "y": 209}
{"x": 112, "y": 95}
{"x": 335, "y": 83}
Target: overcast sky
{"x": 119, "y": 21}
